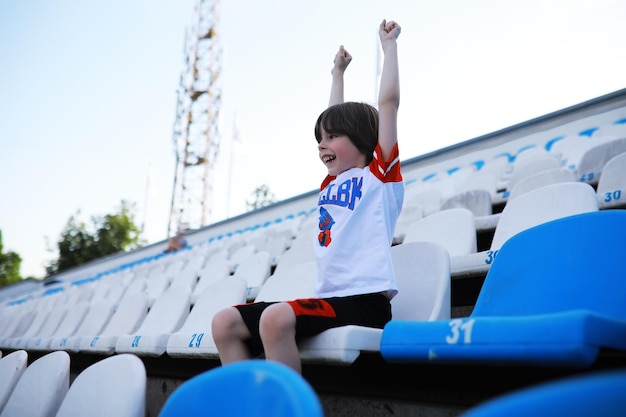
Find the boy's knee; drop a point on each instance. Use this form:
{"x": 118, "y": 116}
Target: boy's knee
{"x": 223, "y": 322}
{"x": 277, "y": 318}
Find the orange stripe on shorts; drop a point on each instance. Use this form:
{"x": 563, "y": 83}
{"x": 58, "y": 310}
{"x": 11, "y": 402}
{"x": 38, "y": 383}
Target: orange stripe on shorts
{"x": 312, "y": 307}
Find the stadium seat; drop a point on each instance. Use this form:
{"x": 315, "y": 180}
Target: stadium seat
{"x": 41, "y": 388}
{"x": 49, "y": 326}
{"x": 253, "y": 388}
{"x": 156, "y": 284}
{"x": 593, "y": 160}
{"x": 411, "y": 212}
{"x": 477, "y": 201}
{"x": 599, "y": 394}
{"x": 301, "y": 250}
{"x": 114, "y": 386}
{"x": 195, "y": 339}
{"x": 255, "y": 269}
{"x": 240, "y": 254}
{"x": 296, "y": 281}
{"x": 215, "y": 269}
{"x": 612, "y": 183}
{"x": 127, "y": 318}
{"x": 12, "y": 366}
{"x": 165, "y": 317}
{"x": 529, "y": 209}
{"x": 532, "y": 164}
{"x": 429, "y": 197}
{"x": 553, "y": 297}
{"x": 67, "y": 327}
{"x": 540, "y": 179}
{"x": 36, "y": 318}
{"x": 423, "y": 277}
{"x": 453, "y": 228}
{"x": 94, "y": 321}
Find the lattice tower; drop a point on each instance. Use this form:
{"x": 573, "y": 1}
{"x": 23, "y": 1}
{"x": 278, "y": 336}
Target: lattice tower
{"x": 196, "y": 130}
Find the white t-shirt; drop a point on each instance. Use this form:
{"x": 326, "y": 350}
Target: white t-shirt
{"x": 358, "y": 210}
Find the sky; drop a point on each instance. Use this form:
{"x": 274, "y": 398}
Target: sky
{"x": 88, "y": 94}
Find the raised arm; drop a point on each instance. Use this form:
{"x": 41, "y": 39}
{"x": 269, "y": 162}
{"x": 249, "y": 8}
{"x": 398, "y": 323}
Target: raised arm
{"x": 342, "y": 59}
{"x": 389, "y": 91}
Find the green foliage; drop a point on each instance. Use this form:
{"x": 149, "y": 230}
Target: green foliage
{"x": 10, "y": 263}
{"x": 109, "y": 234}
{"x": 262, "y": 197}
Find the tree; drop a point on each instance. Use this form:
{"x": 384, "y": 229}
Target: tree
{"x": 10, "y": 263}
{"x": 262, "y": 197}
{"x": 110, "y": 234}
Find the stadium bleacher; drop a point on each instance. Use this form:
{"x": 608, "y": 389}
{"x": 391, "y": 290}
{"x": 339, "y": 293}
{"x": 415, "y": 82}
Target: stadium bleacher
{"x": 515, "y": 235}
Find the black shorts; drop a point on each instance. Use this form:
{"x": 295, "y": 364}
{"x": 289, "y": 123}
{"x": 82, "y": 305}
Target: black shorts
{"x": 314, "y": 315}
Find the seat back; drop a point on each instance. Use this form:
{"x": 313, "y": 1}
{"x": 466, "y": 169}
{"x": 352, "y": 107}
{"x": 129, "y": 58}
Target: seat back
{"x": 576, "y": 262}
{"x": 11, "y": 368}
{"x": 454, "y": 229}
{"x": 213, "y": 271}
{"x": 478, "y": 201}
{"x": 195, "y": 338}
{"x": 542, "y": 205}
{"x": 41, "y": 388}
{"x": 295, "y": 281}
{"x": 612, "y": 183}
{"x": 114, "y": 386}
{"x": 252, "y": 388}
{"x": 423, "y": 276}
{"x": 599, "y": 394}
{"x": 593, "y": 160}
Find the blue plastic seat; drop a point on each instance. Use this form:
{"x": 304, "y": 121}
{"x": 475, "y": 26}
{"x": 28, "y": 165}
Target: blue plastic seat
{"x": 252, "y": 388}
{"x": 553, "y": 297}
{"x": 599, "y": 394}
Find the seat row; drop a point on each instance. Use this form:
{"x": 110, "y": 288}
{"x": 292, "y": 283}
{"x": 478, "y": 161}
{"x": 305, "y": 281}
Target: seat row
{"x": 114, "y": 386}
{"x": 551, "y": 296}
{"x": 258, "y": 388}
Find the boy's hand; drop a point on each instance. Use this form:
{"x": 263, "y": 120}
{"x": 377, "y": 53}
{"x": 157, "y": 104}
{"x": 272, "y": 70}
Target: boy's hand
{"x": 389, "y": 30}
{"x": 341, "y": 61}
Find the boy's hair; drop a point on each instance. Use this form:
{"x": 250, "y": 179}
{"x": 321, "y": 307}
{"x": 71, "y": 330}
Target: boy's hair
{"x": 358, "y": 121}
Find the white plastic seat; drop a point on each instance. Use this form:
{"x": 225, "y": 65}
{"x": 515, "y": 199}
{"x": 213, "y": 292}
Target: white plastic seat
{"x": 165, "y": 317}
{"x": 411, "y": 212}
{"x": 114, "y": 386}
{"x": 71, "y": 320}
{"x": 423, "y": 276}
{"x": 477, "y": 201}
{"x": 54, "y": 319}
{"x": 127, "y": 318}
{"x": 593, "y": 160}
{"x": 95, "y": 319}
{"x": 195, "y": 337}
{"x": 300, "y": 251}
{"x": 37, "y": 319}
{"x": 524, "y": 167}
{"x": 239, "y": 255}
{"x": 540, "y": 179}
{"x": 530, "y": 209}
{"x": 611, "y": 188}
{"x": 275, "y": 246}
{"x": 255, "y": 269}
{"x": 214, "y": 270}
{"x": 428, "y": 197}
{"x": 295, "y": 281}
{"x": 453, "y": 229}
{"x": 41, "y": 388}
{"x": 12, "y": 366}
{"x": 156, "y": 284}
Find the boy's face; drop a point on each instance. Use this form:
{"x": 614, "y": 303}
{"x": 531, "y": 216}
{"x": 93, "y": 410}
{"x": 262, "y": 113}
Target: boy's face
{"x": 339, "y": 154}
